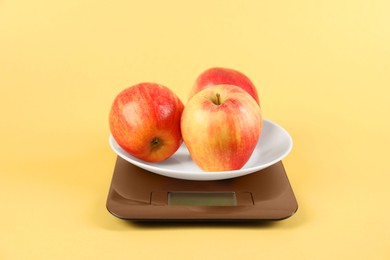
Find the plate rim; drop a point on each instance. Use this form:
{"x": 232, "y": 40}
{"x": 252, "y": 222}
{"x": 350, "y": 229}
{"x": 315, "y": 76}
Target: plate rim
{"x": 215, "y": 175}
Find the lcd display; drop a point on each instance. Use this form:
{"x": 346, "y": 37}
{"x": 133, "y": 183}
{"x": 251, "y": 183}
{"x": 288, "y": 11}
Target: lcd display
{"x": 202, "y": 199}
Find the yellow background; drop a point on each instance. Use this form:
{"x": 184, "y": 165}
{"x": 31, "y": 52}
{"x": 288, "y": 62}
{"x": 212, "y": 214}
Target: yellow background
{"x": 322, "y": 70}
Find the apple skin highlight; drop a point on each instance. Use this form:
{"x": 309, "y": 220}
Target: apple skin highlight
{"x": 145, "y": 121}
{"x": 221, "y": 137}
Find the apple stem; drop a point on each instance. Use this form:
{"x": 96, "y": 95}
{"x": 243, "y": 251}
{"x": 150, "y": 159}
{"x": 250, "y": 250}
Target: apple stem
{"x": 218, "y": 102}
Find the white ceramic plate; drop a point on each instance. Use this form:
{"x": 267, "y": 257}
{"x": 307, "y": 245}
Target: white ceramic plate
{"x": 274, "y": 144}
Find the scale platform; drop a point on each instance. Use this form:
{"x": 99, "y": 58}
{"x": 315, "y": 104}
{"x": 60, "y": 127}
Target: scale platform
{"x": 137, "y": 194}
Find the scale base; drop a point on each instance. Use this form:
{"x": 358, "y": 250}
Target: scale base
{"x": 136, "y": 194}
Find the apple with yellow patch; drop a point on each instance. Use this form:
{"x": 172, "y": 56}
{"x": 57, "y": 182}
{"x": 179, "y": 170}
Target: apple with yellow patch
{"x": 226, "y": 76}
{"x": 145, "y": 121}
{"x": 221, "y": 126}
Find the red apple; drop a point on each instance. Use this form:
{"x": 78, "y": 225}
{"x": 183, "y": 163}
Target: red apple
{"x": 217, "y": 76}
{"x": 221, "y": 126}
{"x": 145, "y": 121}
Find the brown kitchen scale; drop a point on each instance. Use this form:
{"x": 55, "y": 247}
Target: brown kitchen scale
{"x": 137, "y": 194}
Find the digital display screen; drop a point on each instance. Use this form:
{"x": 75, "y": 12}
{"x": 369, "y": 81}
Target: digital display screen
{"x": 202, "y": 199}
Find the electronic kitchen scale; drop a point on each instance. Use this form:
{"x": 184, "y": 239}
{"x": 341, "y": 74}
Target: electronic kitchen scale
{"x": 138, "y": 194}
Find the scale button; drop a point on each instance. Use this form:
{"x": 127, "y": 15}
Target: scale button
{"x": 244, "y": 199}
{"x": 159, "y": 198}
